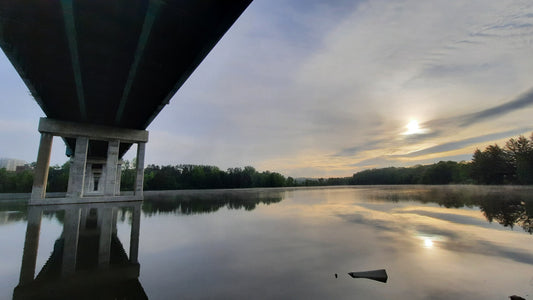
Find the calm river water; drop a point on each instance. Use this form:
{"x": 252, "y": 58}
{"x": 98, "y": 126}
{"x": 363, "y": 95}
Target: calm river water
{"x": 435, "y": 242}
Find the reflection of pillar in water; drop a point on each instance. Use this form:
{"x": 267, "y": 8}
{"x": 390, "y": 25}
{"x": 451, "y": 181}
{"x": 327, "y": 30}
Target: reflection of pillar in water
{"x": 70, "y": 235}
{"x": 31, "y": 244}
{"x": 114, "y": 222}
{"x": 83, "y": 218}
{"x": 135, "y": 228}
{"x": 88, "y": 260}
{"x": 105, "y": 223}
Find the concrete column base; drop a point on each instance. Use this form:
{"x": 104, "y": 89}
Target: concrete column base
{"x": 91, "y": 180}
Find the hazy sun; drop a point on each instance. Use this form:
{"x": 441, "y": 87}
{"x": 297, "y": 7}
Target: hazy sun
{"x": 413, "y": 128}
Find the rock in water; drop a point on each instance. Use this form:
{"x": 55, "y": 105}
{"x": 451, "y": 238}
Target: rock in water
{"x": 378, "y": 275}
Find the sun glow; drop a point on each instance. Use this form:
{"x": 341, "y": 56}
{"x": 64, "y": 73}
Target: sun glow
{"x": 413, "y": 128}
{"x": 428, "y": 243}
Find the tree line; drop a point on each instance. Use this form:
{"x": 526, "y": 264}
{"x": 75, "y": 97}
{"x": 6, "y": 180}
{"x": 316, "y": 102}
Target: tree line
{"x": 155, "y": 178}
{"x": 510, "y": 164}
{"x": 209, "y": 177}
{"x": 443, "y": 172}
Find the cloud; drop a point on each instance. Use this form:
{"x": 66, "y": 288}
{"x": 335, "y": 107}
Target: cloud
{"x": 498, "y": 111}
{"x": 441, "y": 128}
{"x": 466, "y": 142}
{"x": 375, "y": 161}
{"x": 520, "y": 102}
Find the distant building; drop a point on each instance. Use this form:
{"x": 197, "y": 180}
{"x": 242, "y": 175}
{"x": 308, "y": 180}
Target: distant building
{"x": 23, "y": 168}
{"x": 11, "y": 164}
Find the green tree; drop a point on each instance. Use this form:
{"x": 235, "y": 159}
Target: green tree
{"x": 58, "y": 178}
{"x": 520, "y": 153}
{"x": 492, "y": 166}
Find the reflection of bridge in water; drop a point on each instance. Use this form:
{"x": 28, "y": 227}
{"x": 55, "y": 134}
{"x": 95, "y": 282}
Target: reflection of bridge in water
{"x": 88, "y": 260}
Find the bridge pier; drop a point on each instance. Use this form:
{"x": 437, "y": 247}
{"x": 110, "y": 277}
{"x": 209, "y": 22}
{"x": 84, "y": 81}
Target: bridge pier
{"x": 91, "y": 179}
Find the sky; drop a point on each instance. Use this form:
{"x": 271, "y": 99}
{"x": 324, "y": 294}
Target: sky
{"x": 326, "y": 88}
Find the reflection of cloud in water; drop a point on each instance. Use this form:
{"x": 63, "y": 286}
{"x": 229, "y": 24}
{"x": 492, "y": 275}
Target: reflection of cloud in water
{"x": 508, "y": 206}
{"x": 446, "y": 231}
{"x": 361, "y": 219}
{"x": 451, "y": 217}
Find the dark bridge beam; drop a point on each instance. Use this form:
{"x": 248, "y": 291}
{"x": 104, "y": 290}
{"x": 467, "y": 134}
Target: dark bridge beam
{"x": 70, "y": 29}
{"x": 114, "y": 63}
{"x": 151, "y": 13}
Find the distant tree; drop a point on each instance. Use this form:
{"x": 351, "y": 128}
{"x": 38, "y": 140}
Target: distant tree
{"x": 440, "y": 173}
{"x": 492, "y": 166}
{"x": 58, "y": 178}
{"x": 127, "y": 179}
{"x": 290, "y": 181}
{"x": 520, "y": 153}
{"x": 15, "y": 182}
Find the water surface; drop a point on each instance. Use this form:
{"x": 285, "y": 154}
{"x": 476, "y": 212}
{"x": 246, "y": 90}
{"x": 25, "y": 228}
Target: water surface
{"x": 436, "y": 242}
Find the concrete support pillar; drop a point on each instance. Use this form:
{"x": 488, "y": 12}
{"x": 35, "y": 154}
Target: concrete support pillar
{"x": 71, "y": 230}
{"x": 89, "y": 178}
{"x": 135, "y": 230}
{"x": 106, "y": 228}
{"x": 139, "y": 175}
{"x": 40, "y": 176}
{"x": 111, "y": 167}
{"x": 77, "y": 169}
{"x": 118, "y": 178}
{"x": 31, "y": 245}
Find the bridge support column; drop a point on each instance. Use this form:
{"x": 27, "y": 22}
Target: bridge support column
{"x": 94, "y": 179}
{"x": 139, "y": 174}
{"x": 118, "y": 178}
{"x": 111, "y": 173}
{"x": 40, "y": 177}
{"x": 78, "y": 163}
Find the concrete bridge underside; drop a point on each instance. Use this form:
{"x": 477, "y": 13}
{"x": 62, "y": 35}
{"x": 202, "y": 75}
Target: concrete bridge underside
{"x": 97, "y": 67}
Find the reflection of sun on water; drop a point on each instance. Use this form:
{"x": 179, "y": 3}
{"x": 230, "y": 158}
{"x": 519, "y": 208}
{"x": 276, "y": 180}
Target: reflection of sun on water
{"x": 428, "y": 240}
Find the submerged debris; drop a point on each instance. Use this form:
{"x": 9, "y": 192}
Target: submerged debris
{"x": 378, "y": 275}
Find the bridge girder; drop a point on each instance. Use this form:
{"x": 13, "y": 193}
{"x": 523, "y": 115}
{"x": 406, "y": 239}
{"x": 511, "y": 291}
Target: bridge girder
{"x": 113, "y": 63}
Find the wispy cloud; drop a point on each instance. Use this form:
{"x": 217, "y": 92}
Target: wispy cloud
{"x": 445, "y": 147}
{"x": 488, "y": 114}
